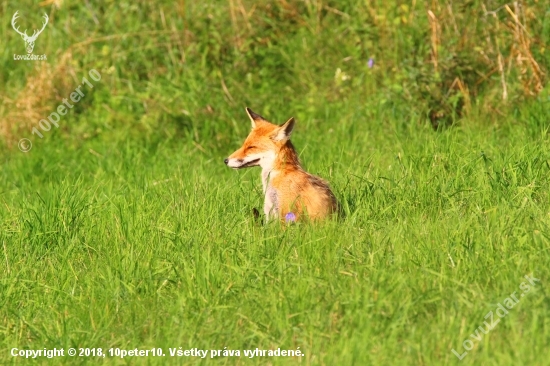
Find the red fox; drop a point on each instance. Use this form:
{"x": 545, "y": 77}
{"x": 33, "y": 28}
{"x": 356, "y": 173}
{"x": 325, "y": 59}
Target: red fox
{"x": 290, "y": 192}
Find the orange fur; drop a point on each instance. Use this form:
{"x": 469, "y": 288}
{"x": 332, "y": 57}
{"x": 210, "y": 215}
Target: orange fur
{"x": 287, "y": 186}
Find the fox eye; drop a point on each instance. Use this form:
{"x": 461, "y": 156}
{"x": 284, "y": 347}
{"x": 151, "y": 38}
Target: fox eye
{"x": 250, "y": 147}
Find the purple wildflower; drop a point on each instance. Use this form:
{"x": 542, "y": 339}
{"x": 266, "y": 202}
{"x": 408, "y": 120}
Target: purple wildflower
{"x": 370, "y": 63}
{"x": 290, "y": 217}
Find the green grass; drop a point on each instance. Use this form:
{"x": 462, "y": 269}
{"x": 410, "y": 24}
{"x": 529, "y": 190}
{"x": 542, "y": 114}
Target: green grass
{"x": 154, "y": 245}
{"x": 124, "y": 229}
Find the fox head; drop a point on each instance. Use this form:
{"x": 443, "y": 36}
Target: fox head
{"x": 262, "y": 144}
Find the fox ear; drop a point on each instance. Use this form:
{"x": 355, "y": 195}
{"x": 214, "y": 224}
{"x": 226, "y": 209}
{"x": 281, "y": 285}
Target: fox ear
{"x": 283, "y": 132}
{"x": 254, "y": 117}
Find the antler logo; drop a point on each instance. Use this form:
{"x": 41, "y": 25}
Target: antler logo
{"x": 29, "y": 41}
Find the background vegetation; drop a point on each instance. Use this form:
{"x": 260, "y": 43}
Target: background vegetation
{"x": 123, "y": 228}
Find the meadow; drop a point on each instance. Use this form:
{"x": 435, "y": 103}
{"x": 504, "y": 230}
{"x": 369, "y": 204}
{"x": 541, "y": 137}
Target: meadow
{"x": 123, "y": 228}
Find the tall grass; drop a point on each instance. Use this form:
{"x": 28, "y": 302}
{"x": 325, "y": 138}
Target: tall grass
{"x": 436, "y": 59}
{"x": 123, "y": 227}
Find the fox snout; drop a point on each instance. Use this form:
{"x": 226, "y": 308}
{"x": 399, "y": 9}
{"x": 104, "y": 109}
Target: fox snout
{"x": 237, "y": 163}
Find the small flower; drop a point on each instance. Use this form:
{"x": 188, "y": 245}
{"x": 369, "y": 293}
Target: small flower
{"x": 290, "y": 217}
{"x": 370, "y": 63}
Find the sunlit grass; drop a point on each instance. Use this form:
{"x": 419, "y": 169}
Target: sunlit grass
{"x": 123, "y": 228}
{"x": 137, "y": 248}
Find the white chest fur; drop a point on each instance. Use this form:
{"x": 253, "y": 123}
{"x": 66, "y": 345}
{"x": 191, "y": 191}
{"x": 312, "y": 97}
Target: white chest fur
{"x": 271, "y": 203}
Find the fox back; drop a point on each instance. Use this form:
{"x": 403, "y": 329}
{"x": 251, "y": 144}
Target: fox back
{"x": 291, "y": 193}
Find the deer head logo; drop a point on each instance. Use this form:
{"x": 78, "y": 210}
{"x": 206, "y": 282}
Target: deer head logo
{"x": 29, "y": 41}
